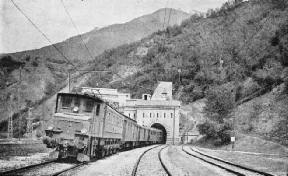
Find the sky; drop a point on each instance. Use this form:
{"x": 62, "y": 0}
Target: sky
{"x": 18, "y": 34}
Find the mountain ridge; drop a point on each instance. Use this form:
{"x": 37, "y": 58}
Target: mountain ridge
{"x": 98, "y": 40}
{"x": 39, "y": 74}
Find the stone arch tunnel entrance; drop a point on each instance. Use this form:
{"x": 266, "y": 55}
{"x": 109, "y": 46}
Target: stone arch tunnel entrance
{"x": 162, "y": 128}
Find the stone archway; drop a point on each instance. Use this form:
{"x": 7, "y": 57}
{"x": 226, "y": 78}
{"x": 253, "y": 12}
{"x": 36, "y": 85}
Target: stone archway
{"x": 163, "y": 129}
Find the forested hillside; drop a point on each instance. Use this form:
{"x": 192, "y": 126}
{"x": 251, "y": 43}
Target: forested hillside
{"x": 29, "y": 78}
{"x": 238, "y": 51}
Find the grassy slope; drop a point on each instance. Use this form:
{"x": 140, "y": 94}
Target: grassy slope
{"x": 242, "y": 37}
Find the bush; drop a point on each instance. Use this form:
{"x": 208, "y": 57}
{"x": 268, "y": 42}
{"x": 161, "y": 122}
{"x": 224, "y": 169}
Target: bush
{"x": 9, "y": 64}
{"x": 207, "y": 129}
{"x": 35, "y": 64}
{"x": 219, "y": 133}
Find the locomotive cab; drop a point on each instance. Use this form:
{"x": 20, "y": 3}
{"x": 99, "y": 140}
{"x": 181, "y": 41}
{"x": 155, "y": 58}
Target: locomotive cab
{"x": 71, "y": 129}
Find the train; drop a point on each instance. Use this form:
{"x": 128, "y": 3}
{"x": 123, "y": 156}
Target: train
{"x": 86, "y": 126}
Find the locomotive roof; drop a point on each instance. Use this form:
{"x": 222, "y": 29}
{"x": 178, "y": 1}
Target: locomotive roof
{"x": 83, "y": 95}
{"x": 93, "y": 96}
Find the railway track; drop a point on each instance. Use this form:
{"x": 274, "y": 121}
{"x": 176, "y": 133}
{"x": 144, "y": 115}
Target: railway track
{"x": 225, "y": 165}
{"x": 19, "y": 170}
{"x": 69, "y": 169}
{"x": 39, "y": 169}
{"x": 134, "y": 172}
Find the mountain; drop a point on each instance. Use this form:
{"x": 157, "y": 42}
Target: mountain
{"x": 31, "y": 78}
{"x": 99, "y": 40}
{"x": 238, "y": 52}
{"x": 235, "y": 53}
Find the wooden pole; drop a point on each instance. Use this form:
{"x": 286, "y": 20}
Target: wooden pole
{"x": 69, "y": 81}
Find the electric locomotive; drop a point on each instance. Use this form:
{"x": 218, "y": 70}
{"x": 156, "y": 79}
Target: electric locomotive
{"x": 86, "y": 126}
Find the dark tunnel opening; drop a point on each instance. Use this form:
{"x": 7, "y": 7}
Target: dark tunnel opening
{"x": 162, "y": 128}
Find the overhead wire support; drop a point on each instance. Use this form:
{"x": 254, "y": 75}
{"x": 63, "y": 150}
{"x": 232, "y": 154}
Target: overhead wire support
{"x": 51, "y": 43}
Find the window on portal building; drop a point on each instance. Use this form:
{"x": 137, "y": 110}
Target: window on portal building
{"x": 171, "y": 115}
{"x": 164, "y": 115}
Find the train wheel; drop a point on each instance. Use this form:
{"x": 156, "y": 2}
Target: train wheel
{"x": 102, "y": 153}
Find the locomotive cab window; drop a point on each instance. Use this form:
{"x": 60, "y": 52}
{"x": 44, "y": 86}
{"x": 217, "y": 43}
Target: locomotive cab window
{"x": 66, "y": 102}
{"x": 88, "y": 105}
{"x": 77, "y": 102}
{"x": 76, "y": 105}
{"x": 97, "y": 109}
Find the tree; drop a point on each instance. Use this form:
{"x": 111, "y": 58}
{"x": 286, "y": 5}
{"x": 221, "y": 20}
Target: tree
{"x": 219, "y": 104}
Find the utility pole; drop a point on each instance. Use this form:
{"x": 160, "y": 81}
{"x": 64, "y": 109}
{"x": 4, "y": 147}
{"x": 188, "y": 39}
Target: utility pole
{"x": 179, "y": 71}
{"x": 19, "y": 107}
{"x": 10, "y": 125}
{"x": 10, "y": 120}
{"x": 68, "y": 80}
{"x": 234, "y": 108}
{"x": 29, "y": 129}
{"x": 174, "y": 128}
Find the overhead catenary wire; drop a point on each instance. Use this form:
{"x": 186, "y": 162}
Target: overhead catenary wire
{"x": 76, "y": 29}
{"x": 84, "y": 42}
{"x": 51, "y": 43}
{"x": 78, "y": 34}
{"x": 256, "y": 32}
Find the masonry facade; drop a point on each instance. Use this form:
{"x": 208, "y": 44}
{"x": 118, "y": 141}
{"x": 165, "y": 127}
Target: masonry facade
{"x": 159, "y": 110}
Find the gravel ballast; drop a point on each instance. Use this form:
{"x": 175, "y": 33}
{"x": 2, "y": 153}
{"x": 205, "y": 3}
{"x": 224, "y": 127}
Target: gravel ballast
{"x": 150, "y": 164}
{"x": 21, "y": 161}
{"x": 273, "y": 164}
{"x": 188, "y": 165}
{"x": 120, "y": 164}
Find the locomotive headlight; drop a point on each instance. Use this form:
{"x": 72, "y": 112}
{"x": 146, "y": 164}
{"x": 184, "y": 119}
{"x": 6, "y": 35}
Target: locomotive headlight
{"x": 83, "y": 131}
{"x": 50, "y": 127}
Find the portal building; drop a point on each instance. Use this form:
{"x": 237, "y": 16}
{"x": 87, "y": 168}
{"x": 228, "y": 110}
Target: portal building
{"x": 158, "y": 111}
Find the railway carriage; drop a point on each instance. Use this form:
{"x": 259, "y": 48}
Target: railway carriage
{"x": 86, "y": 126}
{"x": 129, "y": 133}
{"x": 144, "y": 135}
{"x": 155, "y": 136}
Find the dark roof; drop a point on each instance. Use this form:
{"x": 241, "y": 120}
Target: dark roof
{"x": 83, "y": 95}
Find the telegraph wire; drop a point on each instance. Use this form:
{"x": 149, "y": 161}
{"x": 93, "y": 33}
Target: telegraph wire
{"x": 76, "y": 29}
{"x": 52, "y": 43}
{"x": 170, "y": 14}
{"x": 256, "y": 32}
{"x": 165, "y": 15}
{"x": 78, "y": 35}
